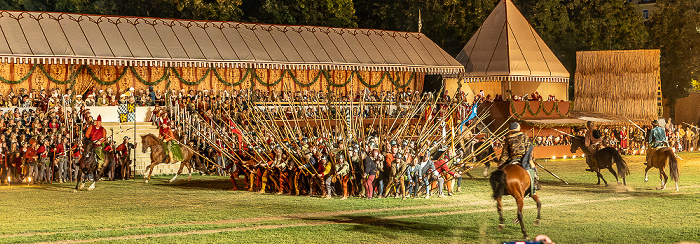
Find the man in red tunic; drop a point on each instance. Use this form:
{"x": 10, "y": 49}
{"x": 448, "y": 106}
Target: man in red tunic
{"x": 123, "y": 150}
{"x": 30, "y": 158}
{"x": 238, "y": 133}
{"x": 96, "y": 133}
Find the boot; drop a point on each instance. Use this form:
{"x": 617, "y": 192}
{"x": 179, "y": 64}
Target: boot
{"x": 537, "y": 183}
{"x": 165, "y": 159}
{"x": 459, "y": 189}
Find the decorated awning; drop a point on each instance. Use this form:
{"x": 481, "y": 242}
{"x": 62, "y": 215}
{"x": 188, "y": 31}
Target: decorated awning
{"x": 62, "y": 38}
{"x": 580, "y": 119}
{"x": 549, "y": 123}
{"x": 516, "y": 78}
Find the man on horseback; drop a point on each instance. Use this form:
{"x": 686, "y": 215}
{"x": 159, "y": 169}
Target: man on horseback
{"x": 517, "y": 149}
{"x": 592, "y": 141}
{"x": 657, "y": 136}
{"x": 97, "y": 134}
{"x": 656, "y": 139}
{"x": 169, "y": 143}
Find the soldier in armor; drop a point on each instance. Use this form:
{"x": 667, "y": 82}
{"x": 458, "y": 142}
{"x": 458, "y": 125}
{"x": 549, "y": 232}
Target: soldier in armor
{"x": 280, "y": 162}
{"x": 342, "y": 169}
{"x": 305, "y": 173}
{"x": 326, "y": 173}
{"x": 356, "y": 171}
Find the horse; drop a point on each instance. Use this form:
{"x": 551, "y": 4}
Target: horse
{"x": 87, "y": 165}
{"x": 659, "y": 158}
{"x": 124, "y": 164}
{"x": 515, "y": 181}
{"x": 109, "y": 167}
{"x": 604, "y": 159}
{"x": 159, "y": 156}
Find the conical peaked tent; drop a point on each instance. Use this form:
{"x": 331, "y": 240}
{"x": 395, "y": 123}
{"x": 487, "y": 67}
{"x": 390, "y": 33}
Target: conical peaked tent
{"x": 507, "y": 49}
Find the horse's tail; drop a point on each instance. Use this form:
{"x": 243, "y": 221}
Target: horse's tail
{"x": 622, "y": 168}
{"x": 672, "y": 165}
{"x": 498, "y": 183}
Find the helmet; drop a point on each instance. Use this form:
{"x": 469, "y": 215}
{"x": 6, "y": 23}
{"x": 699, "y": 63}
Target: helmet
{"x": 373, "y": 145}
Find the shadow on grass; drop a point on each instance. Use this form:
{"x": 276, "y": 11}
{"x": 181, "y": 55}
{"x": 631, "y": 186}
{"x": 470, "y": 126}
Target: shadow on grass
{"x": 368, "y": 225}
{"x": 614, "y": 188}
{"x": 210, "y": 184}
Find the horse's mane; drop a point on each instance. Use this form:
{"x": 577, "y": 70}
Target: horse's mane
{"x": 152, "y": 136}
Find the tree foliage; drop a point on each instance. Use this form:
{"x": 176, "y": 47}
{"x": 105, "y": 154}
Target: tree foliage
{"x": 450, "y": 23}
{"x": 335, "y": 13}
{"x": 181, "y": 9}
{"x": 675, "y": 29}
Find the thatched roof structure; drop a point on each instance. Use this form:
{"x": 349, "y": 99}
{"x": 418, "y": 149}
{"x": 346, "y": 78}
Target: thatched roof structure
{"x": 624, "y": 83}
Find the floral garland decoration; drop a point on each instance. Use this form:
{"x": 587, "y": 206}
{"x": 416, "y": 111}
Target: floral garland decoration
{"x": 166, "y": 74}
{"x": 71, "y": 77}
{"x": 105, "y": 83}
{"x": 186, "y": 82}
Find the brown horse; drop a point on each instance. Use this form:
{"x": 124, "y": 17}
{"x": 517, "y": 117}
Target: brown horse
{"x": 125, "y": 167}
{"x": 604, "y": 159}
{"x": 659, "y": 158}
{"x": 160, "y": 156}
{"x": 88, "y": 166}
{"x": 515, "y": 181}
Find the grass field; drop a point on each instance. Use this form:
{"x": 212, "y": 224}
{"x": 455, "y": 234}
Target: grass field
{"x": 204, "y": 211}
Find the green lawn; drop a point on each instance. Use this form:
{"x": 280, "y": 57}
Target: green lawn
{"x": 204, "y": 211}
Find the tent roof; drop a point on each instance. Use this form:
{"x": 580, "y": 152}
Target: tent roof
{"x": 506, "y": 45}
{"x": 44, "y": 37}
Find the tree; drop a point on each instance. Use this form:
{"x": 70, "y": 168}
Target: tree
{"x": 181, "y": 9}
{"x": 334, "y": 13}
{"x": 449, "y": 23}
{"x": 675, "y": 29}
{"x": 607, "y": 25}
{"x": 550, "y": 19}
